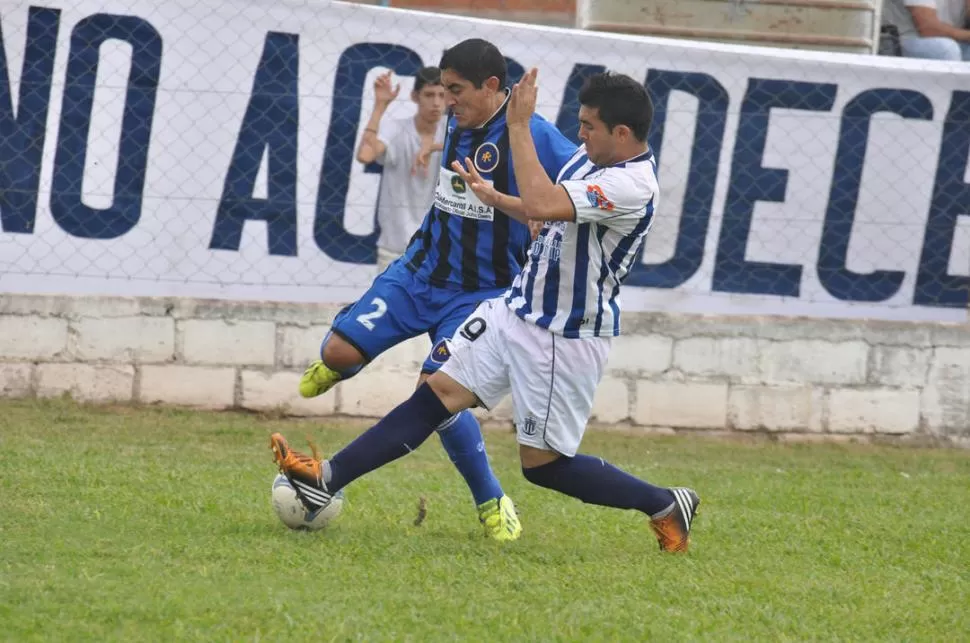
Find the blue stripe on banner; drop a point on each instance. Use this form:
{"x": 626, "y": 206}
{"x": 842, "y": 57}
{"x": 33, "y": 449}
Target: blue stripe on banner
{"x": 578, "y": 311}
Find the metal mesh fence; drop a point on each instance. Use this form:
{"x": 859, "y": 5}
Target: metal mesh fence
{"x": 206, "y": 148}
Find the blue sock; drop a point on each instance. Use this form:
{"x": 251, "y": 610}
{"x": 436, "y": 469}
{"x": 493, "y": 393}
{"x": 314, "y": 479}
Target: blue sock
{"x": 597, "y": 482}
{"x": 400, "y": 432}
{"x": 461, "y": 436}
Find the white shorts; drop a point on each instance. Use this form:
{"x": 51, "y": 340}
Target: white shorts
{"x": 552, "y": 379}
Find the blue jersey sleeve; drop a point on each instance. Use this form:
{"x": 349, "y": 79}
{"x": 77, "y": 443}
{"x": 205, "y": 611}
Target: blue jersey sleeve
{"x": 552, "y": 147}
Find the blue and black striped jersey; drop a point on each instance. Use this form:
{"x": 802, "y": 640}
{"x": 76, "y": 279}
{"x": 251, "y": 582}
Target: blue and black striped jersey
{"x": 462, "y": 243}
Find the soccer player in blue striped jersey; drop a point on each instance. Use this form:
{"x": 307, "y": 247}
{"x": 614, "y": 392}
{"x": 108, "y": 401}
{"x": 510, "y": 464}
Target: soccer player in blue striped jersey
{"x": 546, "y": 341}
{"x": 465, "y": 252}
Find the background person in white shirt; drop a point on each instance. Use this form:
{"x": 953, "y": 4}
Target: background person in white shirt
{"x": 409, "y": 149}
{"x": 933, "y": 29}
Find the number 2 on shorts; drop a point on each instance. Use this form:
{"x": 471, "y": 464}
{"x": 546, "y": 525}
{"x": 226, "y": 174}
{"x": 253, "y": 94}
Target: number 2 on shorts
{"x": 367, "y": 319}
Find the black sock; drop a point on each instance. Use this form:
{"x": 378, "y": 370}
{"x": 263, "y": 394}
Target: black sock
{"x": 401, "y": 431}
{"x": 597, "y": 482}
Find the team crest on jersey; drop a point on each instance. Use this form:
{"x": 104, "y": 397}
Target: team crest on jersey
{"x": 457, "y": 184}
{"x": 596, "y": 198}
{"x": 486, "y": 157}
{"x": 440, "y": 353}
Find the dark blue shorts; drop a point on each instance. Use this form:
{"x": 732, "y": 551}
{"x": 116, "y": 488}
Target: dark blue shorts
{"x": 399, "y": 306}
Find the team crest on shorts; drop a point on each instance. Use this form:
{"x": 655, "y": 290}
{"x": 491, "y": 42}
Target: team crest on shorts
{"x": 529, "y": 425}
{"x": 486, "y": 157}
{"x": 440, "y": 353}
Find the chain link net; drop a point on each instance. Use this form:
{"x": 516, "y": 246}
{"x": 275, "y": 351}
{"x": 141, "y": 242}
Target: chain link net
{"x": 206, "y": 148}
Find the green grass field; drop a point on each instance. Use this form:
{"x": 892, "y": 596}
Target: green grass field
{"x": 155, "y": 525}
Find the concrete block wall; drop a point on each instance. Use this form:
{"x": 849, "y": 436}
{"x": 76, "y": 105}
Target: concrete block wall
{"x": 743, "y": 374}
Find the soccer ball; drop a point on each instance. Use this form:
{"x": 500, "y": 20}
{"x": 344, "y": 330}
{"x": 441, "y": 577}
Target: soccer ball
{"x": 296, "y": 516}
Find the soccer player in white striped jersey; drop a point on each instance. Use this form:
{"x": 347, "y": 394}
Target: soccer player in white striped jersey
{"x": 546, "y": 340}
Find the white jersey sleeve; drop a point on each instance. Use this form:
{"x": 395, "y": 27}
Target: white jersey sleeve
{"x": 613, "y": 197}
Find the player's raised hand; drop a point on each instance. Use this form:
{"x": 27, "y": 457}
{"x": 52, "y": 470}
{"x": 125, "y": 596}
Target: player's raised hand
{"x": 383, "y": 92}
{"x": 522, "y": 102}
{"x": 482, "y": 188}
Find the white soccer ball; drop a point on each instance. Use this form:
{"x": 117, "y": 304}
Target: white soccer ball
{"x": 295, "y": 515}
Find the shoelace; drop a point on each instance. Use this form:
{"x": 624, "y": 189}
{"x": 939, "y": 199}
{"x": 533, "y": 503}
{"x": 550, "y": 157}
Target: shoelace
{"x": 313, "y": 448}
{"x": 310, "y": 462}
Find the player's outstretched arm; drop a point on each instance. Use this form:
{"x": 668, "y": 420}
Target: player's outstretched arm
{"x": 543, "y": 200}
{"x": 486, "y": 192}
{"x": 371, "y": 147}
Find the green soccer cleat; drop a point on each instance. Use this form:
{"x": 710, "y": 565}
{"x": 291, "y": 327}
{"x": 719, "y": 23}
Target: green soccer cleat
{"x": 499, "y": 519}
{"x": 317, "y": 379}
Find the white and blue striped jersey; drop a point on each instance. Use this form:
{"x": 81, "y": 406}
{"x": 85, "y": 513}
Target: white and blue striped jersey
{"x": 570, "y": 283}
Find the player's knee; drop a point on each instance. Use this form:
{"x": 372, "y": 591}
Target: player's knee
{"x": 453, "y": 395}
{"x": 530, "y": 457}
{"x": 543, "y": 470}
{"x": 337, "y": 353}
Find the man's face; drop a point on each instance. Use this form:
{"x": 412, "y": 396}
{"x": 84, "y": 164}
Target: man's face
{"x": 600, "y": 142}
{"x": 471, "y": 105}
{"x": 431, "y": 102}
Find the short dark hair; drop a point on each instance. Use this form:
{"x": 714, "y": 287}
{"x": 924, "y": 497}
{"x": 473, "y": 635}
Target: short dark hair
{"x": 426, "y": 76}
{"x": 620, "y": 101}
{"x": 476, "y": 61}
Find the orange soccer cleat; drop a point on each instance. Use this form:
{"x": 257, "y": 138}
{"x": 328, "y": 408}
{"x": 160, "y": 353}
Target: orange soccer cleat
{"x": 304, "y": 472}
{"x": 673, "y": 527}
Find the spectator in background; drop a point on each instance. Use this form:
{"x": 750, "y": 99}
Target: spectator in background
{"x": 410, "y": 151}
{"x": 934, "y": 29}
